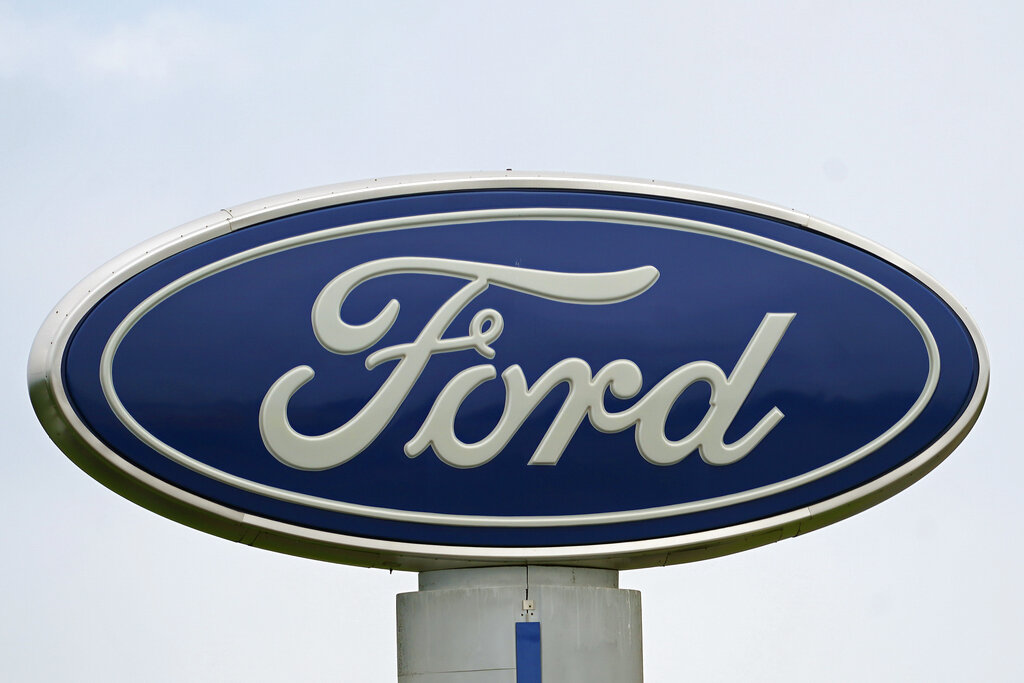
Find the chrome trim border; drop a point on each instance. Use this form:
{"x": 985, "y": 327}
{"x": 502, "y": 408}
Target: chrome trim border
{"x": 58, "y": 418}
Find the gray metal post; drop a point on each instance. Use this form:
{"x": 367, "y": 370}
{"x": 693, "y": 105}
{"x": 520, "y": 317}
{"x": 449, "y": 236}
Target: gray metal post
{"x": 460, "y": 627}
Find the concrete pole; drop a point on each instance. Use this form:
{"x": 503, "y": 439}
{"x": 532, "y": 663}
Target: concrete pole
{"x": 482, "y": 626}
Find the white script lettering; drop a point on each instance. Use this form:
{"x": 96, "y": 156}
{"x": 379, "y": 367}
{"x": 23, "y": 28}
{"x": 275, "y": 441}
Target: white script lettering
{"x": 585, "y": 399}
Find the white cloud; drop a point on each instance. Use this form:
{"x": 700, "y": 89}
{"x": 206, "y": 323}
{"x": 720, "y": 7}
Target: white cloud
{"x": 164, "y": 49}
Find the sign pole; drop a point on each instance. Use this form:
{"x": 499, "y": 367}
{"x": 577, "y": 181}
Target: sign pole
{"x": 524, "y": 624}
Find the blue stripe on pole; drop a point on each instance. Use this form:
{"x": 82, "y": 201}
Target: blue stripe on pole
{"x": 528, "y": 652}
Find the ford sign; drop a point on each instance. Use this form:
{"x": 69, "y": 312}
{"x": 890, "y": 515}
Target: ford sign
{"x": 508, "y": 368}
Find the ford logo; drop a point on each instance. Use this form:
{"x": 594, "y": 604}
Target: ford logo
{"x": 508, "y": 368}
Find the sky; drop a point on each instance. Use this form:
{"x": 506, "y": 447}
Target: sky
{"x": 899, "y": 122}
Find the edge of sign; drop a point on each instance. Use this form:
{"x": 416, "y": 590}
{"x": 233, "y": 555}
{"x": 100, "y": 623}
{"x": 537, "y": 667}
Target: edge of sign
{"x": 64, "y": 427}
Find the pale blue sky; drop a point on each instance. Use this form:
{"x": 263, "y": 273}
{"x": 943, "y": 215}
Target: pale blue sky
{"x": 899, "y": 122}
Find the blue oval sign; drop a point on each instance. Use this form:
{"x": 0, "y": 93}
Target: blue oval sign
{"x": 508, "y": 368}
